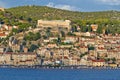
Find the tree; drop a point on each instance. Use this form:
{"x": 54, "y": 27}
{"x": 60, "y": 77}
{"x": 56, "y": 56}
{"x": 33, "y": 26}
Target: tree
{"x": 33, "y": 47}
{"x": 91, "y": 48}
{"x": 99, "y": 30}
{"x": 74, "y": 29}
{"x": 63, "y": 33}
{"x": 70, "y": 34}
{"x": 48, "y": 32}
{"x": 21, "y": 18}
{"x": 23, "y": 26}
{"x": 84, "y": 29}
{"x": 89, "y": 28}
{"x": 14, "y": 30}
{"x": 32, "y": 36}
{"x": 107, "y": 31}
{"x": 83, "y": 54}
{"x": 24, "y": 43}
{"x": 37, "y": 36}
{"x": 29, "y": 20}
{"x": 59, "y": 40}
{"x": 113, "y": 59}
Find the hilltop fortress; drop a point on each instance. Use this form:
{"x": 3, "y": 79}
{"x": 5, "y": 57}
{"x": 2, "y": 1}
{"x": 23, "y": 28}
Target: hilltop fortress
{"x": 54, "y": 23}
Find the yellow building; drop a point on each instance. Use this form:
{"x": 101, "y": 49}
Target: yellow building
{"x": 94, "y": 27}
{"x": 5, "y": 58}
{"x": 98, "y": 63}
{"x": 24, "y": 58}
{"x": 112, "y": 65}
{"x": 74, "y": 61}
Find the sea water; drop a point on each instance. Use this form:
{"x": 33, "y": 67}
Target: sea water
{"x": 58, "y": 74}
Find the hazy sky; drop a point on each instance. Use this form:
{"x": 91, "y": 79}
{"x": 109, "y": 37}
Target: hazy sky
{"x": 75, "y": 5}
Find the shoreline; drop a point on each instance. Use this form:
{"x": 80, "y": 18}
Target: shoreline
{"x": 55, "y": 67}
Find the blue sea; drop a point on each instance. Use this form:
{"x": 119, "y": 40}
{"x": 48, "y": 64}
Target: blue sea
{"x": 59, "y": 74}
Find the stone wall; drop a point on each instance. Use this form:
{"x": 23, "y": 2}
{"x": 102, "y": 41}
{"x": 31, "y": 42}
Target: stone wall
{"x": 54, "y": 23}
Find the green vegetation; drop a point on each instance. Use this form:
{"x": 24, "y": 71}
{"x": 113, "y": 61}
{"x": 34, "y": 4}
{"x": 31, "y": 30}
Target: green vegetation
{"x": 83, "y": 54}
{"x": 70, "y": 34}
{"x": 113, "y": 60}
{"x": 32, "y": 36}
{"x": 91, "y": 48}
{"x": 21, "y": 16}
{"x": 33, "y": 47}
{"x": 62, "y": 43}
{"x": 43, "y": 12}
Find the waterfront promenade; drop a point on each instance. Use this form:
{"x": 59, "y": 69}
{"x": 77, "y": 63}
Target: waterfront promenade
{"x": 57, "y": 67}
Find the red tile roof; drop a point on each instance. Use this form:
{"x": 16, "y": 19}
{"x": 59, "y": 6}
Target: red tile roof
{"x": 98, "y": 60}
{"x": 1, "y": 34}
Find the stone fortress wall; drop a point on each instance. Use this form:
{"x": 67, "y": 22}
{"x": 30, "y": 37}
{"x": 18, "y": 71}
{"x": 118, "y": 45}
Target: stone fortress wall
{"x": 54, "y": 23}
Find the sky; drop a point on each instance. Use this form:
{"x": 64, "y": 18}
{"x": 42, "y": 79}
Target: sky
{"x": 73, "y": 5}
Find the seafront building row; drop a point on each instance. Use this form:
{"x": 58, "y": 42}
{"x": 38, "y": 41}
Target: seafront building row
{"x": 30, "y": 59}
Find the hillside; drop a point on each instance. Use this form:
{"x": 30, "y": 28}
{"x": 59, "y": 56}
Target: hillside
{"x": 28, "y": 15}
{"x": 43, "y": 12}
